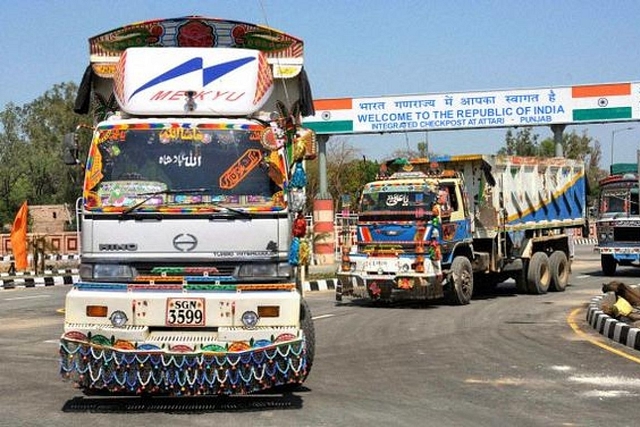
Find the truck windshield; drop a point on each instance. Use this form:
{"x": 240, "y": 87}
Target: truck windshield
{"x": 127, "y": 164}
{"x": 396, "y": 201}
{"x": 616, "y": 202}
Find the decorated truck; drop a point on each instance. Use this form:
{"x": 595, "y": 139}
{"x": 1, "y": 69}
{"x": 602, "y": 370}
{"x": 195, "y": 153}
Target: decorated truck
{"x": 192, "y": 224}
{"x": 436, "y": 228}
{"x": 618, "y": 220}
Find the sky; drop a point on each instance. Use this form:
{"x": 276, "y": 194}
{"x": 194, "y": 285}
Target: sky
{"x": 371, "y": 48}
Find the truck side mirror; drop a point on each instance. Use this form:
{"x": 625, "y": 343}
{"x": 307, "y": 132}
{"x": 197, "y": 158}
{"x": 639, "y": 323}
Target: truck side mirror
{"x": 70, "y": 149}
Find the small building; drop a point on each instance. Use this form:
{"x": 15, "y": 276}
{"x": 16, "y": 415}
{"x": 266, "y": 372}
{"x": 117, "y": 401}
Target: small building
{"x": 50, "y": 222}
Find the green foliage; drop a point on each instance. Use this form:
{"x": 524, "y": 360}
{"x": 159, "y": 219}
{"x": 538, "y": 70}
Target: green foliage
{"x": 524, "y": 143}
{"x": 31, "y": 166}
{"x": 347, "y": 172}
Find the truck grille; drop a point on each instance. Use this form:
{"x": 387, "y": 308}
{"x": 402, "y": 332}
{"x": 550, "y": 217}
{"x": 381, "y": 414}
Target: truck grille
{"x": 214, "y": 270}
{"x": 626, "y": 234}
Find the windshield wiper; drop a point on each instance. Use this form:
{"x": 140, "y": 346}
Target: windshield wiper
{"x": 165, "y": 192}
{"x": 153, "y": 194}
{"x": 238, "y": 212}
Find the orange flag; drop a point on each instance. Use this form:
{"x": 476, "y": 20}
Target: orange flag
{"x": 19, "y": 238}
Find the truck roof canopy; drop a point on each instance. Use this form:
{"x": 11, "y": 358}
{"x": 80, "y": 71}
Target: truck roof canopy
{"x": 283, "y": 51}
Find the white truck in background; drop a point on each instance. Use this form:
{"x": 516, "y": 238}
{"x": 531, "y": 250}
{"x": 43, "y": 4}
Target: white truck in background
{"x": 194, "y": 179}
{"x": 618, "y": 220}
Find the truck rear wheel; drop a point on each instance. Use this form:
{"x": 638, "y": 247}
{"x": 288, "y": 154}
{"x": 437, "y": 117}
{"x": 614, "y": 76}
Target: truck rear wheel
{"x": 460, "y": 281}
{"x": 559, "y": 266}
{"x": 520, "y": 278}
{"x": 608, "y": 264}
{"x": 538, "y": 274}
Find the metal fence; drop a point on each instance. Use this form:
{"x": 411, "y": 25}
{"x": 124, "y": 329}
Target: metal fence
{"x": 344, "y": 230}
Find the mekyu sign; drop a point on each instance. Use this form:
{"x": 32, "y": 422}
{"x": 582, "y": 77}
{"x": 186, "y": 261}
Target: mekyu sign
{"x": 203, "y": 81}
{"x": 472, "y": 110}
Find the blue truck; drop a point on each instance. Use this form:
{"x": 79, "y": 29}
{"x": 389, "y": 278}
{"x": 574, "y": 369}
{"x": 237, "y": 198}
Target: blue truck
{"x": 437, "y": 228}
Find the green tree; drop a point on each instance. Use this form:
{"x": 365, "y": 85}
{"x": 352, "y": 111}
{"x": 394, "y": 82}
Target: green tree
{"x": 31, "y": 139}
{"x": 14, "y": 183}
{"x": 46, "y": 120}
{"x": 523, "y": 143}
{"x": 347, "y": 172}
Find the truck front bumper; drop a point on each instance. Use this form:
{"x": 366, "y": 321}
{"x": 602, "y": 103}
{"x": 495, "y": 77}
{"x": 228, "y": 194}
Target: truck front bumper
{"x": 622, "y": 254}
{"x": 387, "y": 288}
{"x": 156, "y": 352}
{"x": 99, "y": 364}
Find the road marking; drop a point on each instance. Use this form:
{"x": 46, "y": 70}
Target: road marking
{"x": 29, "y": 297}
{"x": 571, "y": 321}
{"x": 323, "y": 316}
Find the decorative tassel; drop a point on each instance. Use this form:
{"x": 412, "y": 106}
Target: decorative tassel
{"x": 294, "y": 251}
{"x": 305, "y": 252}
{"x": 299, "y": 226}
{"x": 299, "y": 176}
{"x": 297, "y": 199}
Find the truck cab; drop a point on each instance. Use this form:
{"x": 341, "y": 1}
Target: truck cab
{"x": 189, "y": 276}
{"x": 618, "y": 220}
{"x": 410, "y": 226}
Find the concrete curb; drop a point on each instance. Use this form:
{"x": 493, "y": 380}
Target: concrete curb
{"x": 34, "y": 282}
{"x": 586, "y": 241}
{"x": 320, "y": 285}
{"x": 610, "y": 327}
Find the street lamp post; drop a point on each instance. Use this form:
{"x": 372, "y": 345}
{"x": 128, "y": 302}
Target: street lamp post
{"x": 613, "y": 136}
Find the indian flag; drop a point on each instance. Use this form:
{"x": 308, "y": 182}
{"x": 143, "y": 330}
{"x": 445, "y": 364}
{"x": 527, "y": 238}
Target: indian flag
{"x": 332, "y": 116}
{"x": 601, "y": 102}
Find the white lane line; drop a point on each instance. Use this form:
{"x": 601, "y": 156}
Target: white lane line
{"x": 322, "y": 316}
{"x": 29, "y": 297}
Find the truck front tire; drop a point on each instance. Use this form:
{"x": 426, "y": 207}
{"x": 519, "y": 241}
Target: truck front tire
{"x": 460, "y": 281}
{"x": 608, "y": 264}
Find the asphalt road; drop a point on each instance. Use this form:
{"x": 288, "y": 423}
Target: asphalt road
{"x": 505, "y": 359}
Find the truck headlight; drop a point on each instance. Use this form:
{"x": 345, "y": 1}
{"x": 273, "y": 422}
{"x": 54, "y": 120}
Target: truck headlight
{"x": 118, "y": 318}
{"x": 250, "y": 319}
{"x": 106, "y": 271}
{"x": 271, "y": 269}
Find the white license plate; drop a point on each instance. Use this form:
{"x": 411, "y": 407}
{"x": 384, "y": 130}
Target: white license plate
{"x": 375, "y": 264}
{"x": 185, "y": 312}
